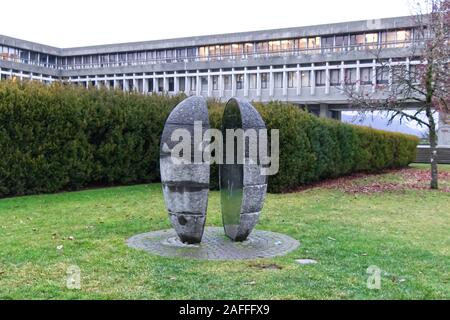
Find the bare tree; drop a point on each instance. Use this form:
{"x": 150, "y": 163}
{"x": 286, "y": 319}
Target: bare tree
{"x": 422, "y": 80}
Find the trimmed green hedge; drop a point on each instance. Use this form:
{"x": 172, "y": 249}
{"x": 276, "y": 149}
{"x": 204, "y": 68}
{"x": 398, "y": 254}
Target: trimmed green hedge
{"x": 63, "y": 138}
{"x": 312, "y": 149}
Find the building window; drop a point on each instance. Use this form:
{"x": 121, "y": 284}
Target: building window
{"x": 252, "y": 80}
{"x": 303, "y": 44}
{"x": 204, "y": 83}
{"x": 320, "y": 78}
{"x": 262, "y": 47}
{"x": 350, "y": 76}
{"x": 305, "y": 78}
{"x": 388, "y": 39}
{"x": 403, "y": 38}
{"x": 382, "y": 75}
{"x": 366, "y": 76}
{"x": 182, "y": 84}
{"x": 341, "y": 43}
{"x": 357, "y": 41}
{"x": 239, "y": 81}
{"x": 215, "y": 81}
{"x": 278, "y": 79}
{"x": 264, "y": 80}
{"x": 227, "y": 82}
{"x": 313, "y": 43}
{"x": 292, "y": 79}
{"x": 275, "y": 46}
{"x": 327, "y": 44}
{"x": 335, "y": 76}
{"x": 203, "y": 53}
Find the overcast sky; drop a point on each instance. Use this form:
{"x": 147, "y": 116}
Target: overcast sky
{"x": 69, "y": 23}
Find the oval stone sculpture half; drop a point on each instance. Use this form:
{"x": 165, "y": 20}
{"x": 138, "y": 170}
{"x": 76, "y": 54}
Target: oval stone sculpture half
{"x": 242, "y": 186}
{"x": 185, "y": 182}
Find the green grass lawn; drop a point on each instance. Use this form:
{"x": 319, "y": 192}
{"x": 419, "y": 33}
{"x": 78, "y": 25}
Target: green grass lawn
{"x": 405, "y": 233}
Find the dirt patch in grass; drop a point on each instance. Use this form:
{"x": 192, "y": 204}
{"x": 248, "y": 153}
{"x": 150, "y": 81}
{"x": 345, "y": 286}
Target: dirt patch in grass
{"x": 388, "y": 181}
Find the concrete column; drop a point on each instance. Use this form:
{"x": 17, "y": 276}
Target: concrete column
{"x": 285, "y": 81}
{"x": 155, "y": 83}
{"x": 342, "y": 76}
{"x": 258, "y": 83}
{"x": 323, "y": 111}
{"x": 327, "y": 79}
{"x": 374, "y": 75}
{"x": 209, "y": 84}
{"x": 145, "y": 85}
{"x": 221, "y": 85}
{"x": 176, "y": 83}
{"x": 312, "y": 79}
{"x": 271, "y": 84}
{"x": 390, "y": 74}
{"x": 165, "y": 83}
{"x": 125, "y": 84}
{"x": 233, "y": 83}
{"x": 246, "y": 84}
{"x": 187, "y": 85}
{"x": 106, "y": 82}
{"x": 358, "y": 76}
{"x": 299, "y": 80}
{"x": 198, "y": 84}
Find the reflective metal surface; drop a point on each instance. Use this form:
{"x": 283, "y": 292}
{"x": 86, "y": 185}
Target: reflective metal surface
{"x": 231, "y": 175}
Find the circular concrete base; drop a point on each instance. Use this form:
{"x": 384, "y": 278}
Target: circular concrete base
{"x": 215, "y": 245}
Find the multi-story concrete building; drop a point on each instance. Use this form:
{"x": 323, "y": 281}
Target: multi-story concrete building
{"x": 304, "y": 65}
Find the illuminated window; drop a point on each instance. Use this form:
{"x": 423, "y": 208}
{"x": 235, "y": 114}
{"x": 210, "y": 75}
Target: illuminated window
{"x": 403, "y": 37}
{"x": 314, "y": 43}
{"x": 302, "y": 44}
{"x": 203, "y": 53}
{"x": 388, "y": 39}
{"x": 287, "y": 45}
{"x": 248, "y": 48}
{"x": 357, "y": 41}
{"x": 236, "y": 49}
{"x": 371, "y": 38}
{"x": 274, "y": 46}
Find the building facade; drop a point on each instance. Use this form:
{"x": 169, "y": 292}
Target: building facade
{"x": 304, "y": 65}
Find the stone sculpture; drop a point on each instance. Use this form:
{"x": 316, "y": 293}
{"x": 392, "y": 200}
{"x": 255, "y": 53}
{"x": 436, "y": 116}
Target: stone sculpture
{"x": 242, "y": 186}
{"x": 185, "y": 185}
